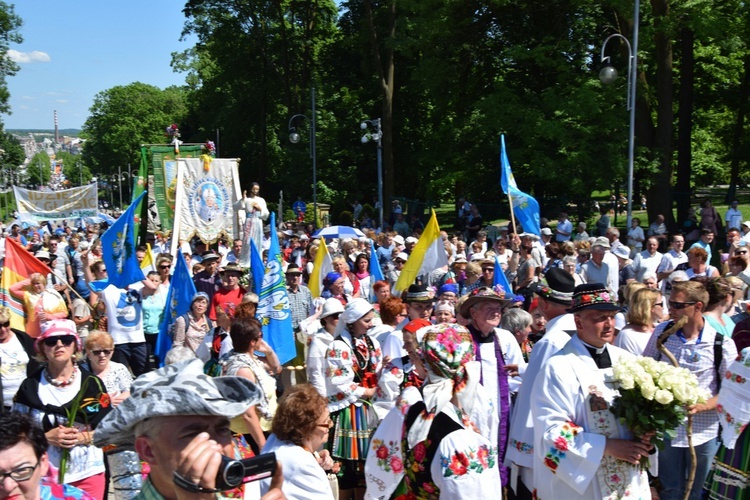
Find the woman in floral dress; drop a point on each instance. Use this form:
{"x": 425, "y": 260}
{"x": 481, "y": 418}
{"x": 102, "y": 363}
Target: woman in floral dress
{"x": 353, "y": 362}
{"x": 438, "y": 444}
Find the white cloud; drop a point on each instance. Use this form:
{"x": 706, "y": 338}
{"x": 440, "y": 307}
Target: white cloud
{"x": 28, "y": 57}
{"x": 61, "y": 101}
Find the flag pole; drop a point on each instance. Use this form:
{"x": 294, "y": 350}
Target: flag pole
{"x": 512, "y": 215}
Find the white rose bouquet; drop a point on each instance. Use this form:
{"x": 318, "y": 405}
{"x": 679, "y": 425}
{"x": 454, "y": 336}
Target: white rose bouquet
{"x": 654, "y": 397}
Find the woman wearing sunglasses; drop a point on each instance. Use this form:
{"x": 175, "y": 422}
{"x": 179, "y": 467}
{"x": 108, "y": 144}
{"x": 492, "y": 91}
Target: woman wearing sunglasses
{"x": 50, "y": 394}
{"x": 116, "y": 376}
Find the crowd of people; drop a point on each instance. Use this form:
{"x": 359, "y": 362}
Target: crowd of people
{"x": 451, "y": 388}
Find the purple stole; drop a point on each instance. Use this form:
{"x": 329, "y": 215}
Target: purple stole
{"x": 503, "y": 397}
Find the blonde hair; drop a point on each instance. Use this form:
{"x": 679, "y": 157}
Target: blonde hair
{"x": 641, "y": 302}
{"x": 99, "y": 338}
{"x": 38, "y": 277}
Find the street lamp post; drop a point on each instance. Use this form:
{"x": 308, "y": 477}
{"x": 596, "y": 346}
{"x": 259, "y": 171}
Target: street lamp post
{"x": 607, "y": 75}
{"x": 294, "y": 138}
{"x": 377, "y": 136}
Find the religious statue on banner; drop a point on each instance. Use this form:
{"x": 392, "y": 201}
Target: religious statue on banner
{"x": 256, "y": 212}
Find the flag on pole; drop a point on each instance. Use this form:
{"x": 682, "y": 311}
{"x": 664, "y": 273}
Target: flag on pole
{"x": 180, "y": 295}
{"x": 376, "y": 273}
{"x": 19, "y": 265}
{"x": 428, "y": 254}
{"x": 321, "y": 267}
{"x": 148, "y": 263}
{"x": 274, "y": 312}
{"x": 256, "y": 267}
{"x": 118, "y": 249}
{"x": 501, "y": 279}
{"x": 139, "y": 186}
{"x": 525, "y": 207}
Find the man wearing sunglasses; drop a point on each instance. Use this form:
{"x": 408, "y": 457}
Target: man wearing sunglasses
{"x": 706, "y": 353}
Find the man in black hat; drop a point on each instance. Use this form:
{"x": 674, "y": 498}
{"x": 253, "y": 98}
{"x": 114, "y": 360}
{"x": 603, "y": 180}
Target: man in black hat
{"x": 580, "y": 448}
{"x": 554, "y": 299}
{"x": 208, "y": 280}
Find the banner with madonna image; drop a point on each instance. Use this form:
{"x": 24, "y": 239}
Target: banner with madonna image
{"x": 204, "y": 200}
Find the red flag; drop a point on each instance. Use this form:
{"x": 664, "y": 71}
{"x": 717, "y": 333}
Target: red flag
{"x": 20, "y": 264}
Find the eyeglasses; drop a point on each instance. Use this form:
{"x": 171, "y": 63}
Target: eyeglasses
{"x": 327, "y": 425}
{"x": 6, "y": 324}
{"x": 19, "y": 475}
{"x": 103, "y": 270}
{"x": 680, "y": 305}
{"x": 65, "y": 339}
{"x": 99, "y": 352}
{"x": 488, "y": 270}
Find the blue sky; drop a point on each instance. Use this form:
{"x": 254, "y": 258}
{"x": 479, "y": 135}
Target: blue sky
{"x": 74, "y": 50}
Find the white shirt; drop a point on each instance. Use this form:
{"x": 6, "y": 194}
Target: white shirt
{"x": 124, "y": 315}
{"x": 644, "y": 262}
{"x": 304, "y": 478}
{"x": 733, "y": 218}
{"x": 13, "y": 361}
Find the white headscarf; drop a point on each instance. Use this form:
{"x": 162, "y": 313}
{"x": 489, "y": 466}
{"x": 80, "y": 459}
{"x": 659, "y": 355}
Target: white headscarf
{"x": 353, "y": 311}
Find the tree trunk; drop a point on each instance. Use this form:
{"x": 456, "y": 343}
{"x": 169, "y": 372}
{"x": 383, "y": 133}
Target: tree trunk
{"x": 660, "y": 194}
{"x": 738, "y": 128}
{"x": 685, "y": 124}
{"x": 385, "y": 66}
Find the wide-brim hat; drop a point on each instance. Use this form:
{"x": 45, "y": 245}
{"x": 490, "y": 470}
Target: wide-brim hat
{"x": 43, "y": 254}
{"x": 231, "y": 267}
{"x": 592, "y": 296}
{"x": 622, "y": 251}
{"x": 399, "y": 240}
{"x": 57, "y": 328}
{"x": 559, "y": 287}
{"x": 419, "y": 293}
{"x": 293, "y": 269}
{"x": 180, "y": 389}
{"x": 209, "y": 256}
{"x": 533, "y": 236}
{"x": 601, "y": 241}
{"x": 484, "y": 294}
{"x": 331, "y": 306}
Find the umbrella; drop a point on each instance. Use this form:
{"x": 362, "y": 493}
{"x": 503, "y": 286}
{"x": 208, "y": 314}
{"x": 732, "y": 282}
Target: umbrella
{"x": 339, "y": 232}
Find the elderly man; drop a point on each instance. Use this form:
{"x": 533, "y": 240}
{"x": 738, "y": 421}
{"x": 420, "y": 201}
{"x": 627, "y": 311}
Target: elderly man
{"x": 648, "y": 260}
{"x": 699, "y": 348}
{"x": 602, "y": 267}
{"x": 554, "y": 298}
{"x": 208, "y": 280}
{"x": 177, "y": 419}
{"x": 499, "y": 355}
{"x": 673, "y": 258}
{"x": 658, "y": 230}
{"x": 578, "y": 443}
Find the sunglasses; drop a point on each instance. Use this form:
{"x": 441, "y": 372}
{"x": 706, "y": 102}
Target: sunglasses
{"x": 6, "y": 324}
{"x": 66, "y": 340}
{"x": 740, "y": 252}
{"x": 164, "y": 267}
{"x": 680, "y": 305}
{"x": 99, "y": 352}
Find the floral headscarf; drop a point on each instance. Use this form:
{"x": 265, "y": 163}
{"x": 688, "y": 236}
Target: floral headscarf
{"x": 448, "y": 353}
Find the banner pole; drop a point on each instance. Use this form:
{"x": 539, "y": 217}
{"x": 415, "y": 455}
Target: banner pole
{"x": 512, "y": 214}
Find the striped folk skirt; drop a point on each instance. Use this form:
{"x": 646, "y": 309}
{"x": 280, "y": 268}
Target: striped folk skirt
{"x": 353, "y": 427}
{"x": 729, "y": 478}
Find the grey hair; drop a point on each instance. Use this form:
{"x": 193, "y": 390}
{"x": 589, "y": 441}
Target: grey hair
{"x": 570, "y": 259}
{"x": 516, "y": 319}
{"x": 250, "y": 297}
{"x": 177, "y": 354}
{"x": 614, "y": 230}
{"x": 648, "y": 275}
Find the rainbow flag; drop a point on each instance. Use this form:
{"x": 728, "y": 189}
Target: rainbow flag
{"x": 19, "y": 265}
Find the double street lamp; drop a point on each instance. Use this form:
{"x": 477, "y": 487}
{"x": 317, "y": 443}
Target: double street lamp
{"x": 607, "y": 75}
{"x": 376, "y": 136}
{"x": 294, "y": 138}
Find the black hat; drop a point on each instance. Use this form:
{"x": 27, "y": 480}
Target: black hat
{"x": 592, "y": 296}
{"x": 419, "y": 293}
{"x": 559, "y": 288}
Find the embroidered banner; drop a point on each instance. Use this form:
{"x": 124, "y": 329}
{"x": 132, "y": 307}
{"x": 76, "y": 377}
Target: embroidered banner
{"x": 164, "y": 162}
{"x": 72, "y": 203}
{"x": 204, "y": 204}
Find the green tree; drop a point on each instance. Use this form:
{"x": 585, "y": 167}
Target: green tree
{"x": 9, "y": 26}
{"x": 11, "y": 157}
{"x": 38, "y": 170}
{"x": 74, "y": 170}
{"x": 124, "y": 117}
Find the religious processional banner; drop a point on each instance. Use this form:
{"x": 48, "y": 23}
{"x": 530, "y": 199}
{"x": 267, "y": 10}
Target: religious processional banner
{"x": 164, "y": 162}
{"x": 39, "y": 206}
{"x": 204, "y": 201}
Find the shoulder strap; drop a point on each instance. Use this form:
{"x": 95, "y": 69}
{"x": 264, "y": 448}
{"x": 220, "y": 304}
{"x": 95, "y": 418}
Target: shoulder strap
{"x": 718, "y": 355}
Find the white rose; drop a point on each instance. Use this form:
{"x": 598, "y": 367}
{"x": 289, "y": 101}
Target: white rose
{"x": 663, "y": 397}
{"x": 683, "y": 394}
{"x": 644, "y": 379}
{"x": 627, "y": 382}
{"x": 648, "y": 391}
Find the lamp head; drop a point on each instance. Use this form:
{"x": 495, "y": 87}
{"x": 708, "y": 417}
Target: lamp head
{"x": 294, "y": 137}
{"x": 365, "y": 139}
{"x": 363, "y": 126}
{"x": 608, "y": 74}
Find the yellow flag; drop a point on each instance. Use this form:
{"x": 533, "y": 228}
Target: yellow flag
{"x": 321, "y": 267}
{"x": 148, "y": 264}
{"x": 428, "y": 254}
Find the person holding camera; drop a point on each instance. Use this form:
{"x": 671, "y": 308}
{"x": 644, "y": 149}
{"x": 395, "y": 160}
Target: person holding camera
{"x": 177, "y": 418}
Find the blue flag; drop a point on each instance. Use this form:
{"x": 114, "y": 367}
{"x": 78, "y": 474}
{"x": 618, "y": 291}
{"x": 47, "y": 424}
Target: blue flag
{"x": 256, "y": 267}
{"x": 118, "y": 249}
{"x": 180, "y": 295}
{"x": 274, "y": 312}
{"x": 501, "y": 279}
{"x": 525, "y": 207}
{"x": 376, "y": 273}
